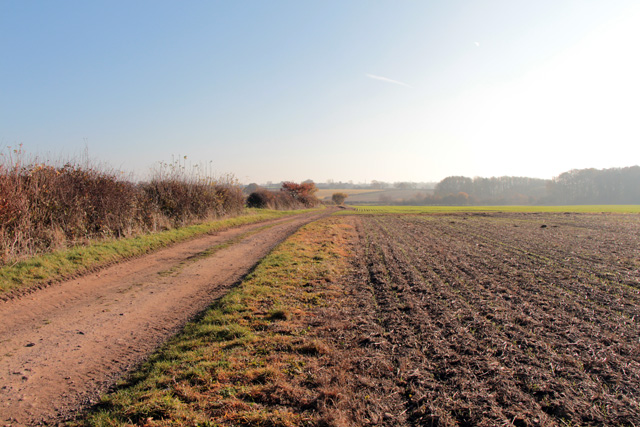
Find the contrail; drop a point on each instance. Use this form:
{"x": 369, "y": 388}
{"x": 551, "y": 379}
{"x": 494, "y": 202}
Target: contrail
{"x": 385, "y": 79}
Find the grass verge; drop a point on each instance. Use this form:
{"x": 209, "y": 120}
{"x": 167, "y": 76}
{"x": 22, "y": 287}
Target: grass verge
{"x": 448, "y": 209}
{"x": 247, "y": 360}
{"x": 68, "y": 262}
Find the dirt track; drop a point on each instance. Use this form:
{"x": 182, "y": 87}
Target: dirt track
{"x": 64, "y": 345}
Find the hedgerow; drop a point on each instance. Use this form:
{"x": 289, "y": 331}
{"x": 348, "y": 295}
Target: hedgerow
{"x": 45, "y": 206}
{"x": 290, "y": 196}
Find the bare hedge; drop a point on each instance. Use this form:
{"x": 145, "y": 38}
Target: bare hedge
{"x": 43, "y": 207}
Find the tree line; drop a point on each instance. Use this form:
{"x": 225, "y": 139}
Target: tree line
{"x": 577, "y": 186}
{"x": 594, "y": 186}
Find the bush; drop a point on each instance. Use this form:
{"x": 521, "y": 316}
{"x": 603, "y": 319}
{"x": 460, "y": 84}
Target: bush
{"x": 47, "y": 206}
{"x": 261, "y": 199}
{"x": 302, "y": 193}
{"x": 43, "y": 206}
{"x": 265, "y": 199}
{"x": 339, "y": 198}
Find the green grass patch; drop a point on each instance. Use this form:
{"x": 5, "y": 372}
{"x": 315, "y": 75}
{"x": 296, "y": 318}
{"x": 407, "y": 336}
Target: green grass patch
{"x": 65, "y": 263}
{"x": 243, "y": 362}
{"x": 452, "y": 209}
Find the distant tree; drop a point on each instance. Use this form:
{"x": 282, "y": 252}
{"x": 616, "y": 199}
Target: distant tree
{"x": 251, "y": 188}
{"x": 338, "y": 198}
{"x": 405, "y": 185}
{"x": 595, "y": 186}
{"x": 303, "y": 193}
{"x": 461, "y": 198}
{"x": 454, "y": 185}
{"x": 299, "y": 190}
{"x": 494, "y": 190}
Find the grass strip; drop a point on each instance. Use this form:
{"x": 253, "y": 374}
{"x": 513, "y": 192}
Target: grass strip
{"x": 68, "y": 262}
{"x": 247, "y": 360}
{"x": 214, "y": 249}
{"x": 364, "y": 210}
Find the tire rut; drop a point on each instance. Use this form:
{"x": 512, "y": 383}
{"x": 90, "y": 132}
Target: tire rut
{"x": 64, "y": 345}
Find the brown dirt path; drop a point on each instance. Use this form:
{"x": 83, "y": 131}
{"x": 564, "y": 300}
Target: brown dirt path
{"x": 64, "y": 345}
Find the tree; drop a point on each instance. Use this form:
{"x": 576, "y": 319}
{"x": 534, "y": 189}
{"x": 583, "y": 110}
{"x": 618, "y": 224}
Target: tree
{"x": 454, "y": 185}
{"x": 251, "y": 188}
{"x": 338, "y": 198}
{"x": 378, "y": 185}
{"x": 303, "y": 193}
{"x": 404, "y": 185}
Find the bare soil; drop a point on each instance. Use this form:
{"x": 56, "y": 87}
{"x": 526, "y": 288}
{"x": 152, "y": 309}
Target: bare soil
{"x": 64, "y": 345}
{"x": 489, "y": 319}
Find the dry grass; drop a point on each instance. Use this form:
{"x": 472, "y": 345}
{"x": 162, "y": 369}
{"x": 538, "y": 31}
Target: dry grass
{"x": 253, "y": 359}
{"x": 46, "y": 206}
{"x": 58, "y": 264}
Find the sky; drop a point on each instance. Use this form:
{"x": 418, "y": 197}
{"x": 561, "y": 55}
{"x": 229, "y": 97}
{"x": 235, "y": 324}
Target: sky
{"x": 325, "y": 90}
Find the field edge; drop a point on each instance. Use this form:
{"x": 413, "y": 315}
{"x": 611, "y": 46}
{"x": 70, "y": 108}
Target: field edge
{"x": 223, "y": 368}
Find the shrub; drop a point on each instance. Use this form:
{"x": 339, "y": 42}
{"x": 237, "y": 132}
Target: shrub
{"x": 265, "y": 199}
{"x": 339, "y": 198}
{"x": 262, "y": 199}
{"x": 44, "y": 206}
{"x": 302, "y": 193}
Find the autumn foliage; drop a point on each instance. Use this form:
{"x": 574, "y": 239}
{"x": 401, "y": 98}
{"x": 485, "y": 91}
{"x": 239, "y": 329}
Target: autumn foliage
{"x": 290, "y": 196}
{"x": 302, "y": 193}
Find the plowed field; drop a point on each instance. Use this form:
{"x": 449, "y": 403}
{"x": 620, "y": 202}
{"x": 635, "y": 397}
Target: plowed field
{"x": 468, "y": 319}
{"x": 499, "y": 319}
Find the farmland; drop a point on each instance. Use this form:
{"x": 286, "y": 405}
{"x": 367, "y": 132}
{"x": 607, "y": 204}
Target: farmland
{"x": 521, "y": 318}
{"x": 326, "y": 193}
{"x": 416, "y": 210}
{"x": 374, "y": 196}
{"x": 467, "y": 318}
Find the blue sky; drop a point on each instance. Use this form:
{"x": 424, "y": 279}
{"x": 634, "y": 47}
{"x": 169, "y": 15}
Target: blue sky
{"x": 342, "y": 90}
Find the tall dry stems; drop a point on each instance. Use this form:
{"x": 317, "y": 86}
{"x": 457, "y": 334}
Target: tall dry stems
{"x": 45, "y": 205}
